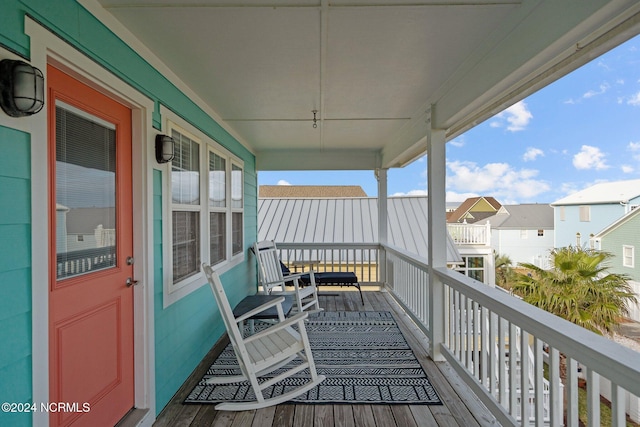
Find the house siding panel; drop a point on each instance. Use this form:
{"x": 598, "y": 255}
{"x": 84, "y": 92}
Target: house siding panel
{"x": 627, "y": 233}
{"x": 184, "y": 331}
{"x": 601, "y": 216}
{"x": 15, "y": 273}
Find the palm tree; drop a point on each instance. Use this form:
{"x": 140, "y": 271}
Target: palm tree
{"x": 504, "y": 270}
{"x": 578, "y": 288}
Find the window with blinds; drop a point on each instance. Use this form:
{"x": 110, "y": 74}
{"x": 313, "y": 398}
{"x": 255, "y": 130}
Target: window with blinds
{"x": 207, "y": 209}
{"x": 217, "y": 208}
{"x": 185, "y": 196}
{"x": 236, "y": 207}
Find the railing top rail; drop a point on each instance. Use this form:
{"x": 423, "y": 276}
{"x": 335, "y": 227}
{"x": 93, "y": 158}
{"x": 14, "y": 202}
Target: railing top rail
{"x": 331, "y": 245}
{"x": 614, "y": 361}
{"x": 412, "y": 258}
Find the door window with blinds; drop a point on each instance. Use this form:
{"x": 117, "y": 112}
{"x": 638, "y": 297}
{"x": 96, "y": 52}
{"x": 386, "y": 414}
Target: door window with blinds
{"x": 85, "y": 188}
{"x": 206, "y": 207}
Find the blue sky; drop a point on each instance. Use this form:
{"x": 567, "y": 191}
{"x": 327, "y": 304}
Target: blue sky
{"x": 580, "y": 130}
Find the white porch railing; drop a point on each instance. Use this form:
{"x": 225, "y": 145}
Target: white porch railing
{"x": 470, "y": 234}
{"x": 360, "y": 258}
{"x": 480, "y": 355}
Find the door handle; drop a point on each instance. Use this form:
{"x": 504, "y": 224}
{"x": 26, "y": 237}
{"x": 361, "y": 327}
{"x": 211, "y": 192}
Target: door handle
{"x": 130, "y": 282}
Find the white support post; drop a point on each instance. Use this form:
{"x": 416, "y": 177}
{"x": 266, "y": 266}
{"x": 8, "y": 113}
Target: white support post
{"x": 381, "y": 176}
{"x": 437, "y": 229}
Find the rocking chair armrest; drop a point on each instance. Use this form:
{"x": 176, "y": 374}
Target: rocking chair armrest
{"x": 294, "y": 276}
{"x": 259, "y": 309}
{"x": 290, "y": 321}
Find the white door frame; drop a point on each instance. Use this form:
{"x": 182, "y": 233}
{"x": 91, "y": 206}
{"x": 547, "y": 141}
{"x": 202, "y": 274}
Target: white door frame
{"x": 48, "y": 49}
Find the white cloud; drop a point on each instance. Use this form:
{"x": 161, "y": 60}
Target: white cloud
{"x": 590, "y": 158}
{"x": 634, "y": 100}
{"x": 601, "y": 90}
{"x": 499, "y": 180}
{"x": 532, "y": 153}
{"x": 627, "y": 168}
{"x": 458, "y": 142}
{"x": 517, "y": 117}
{"x": 452, "y": 196}
{"x": 411, "y": 193}
{"x": 283, "y": 182}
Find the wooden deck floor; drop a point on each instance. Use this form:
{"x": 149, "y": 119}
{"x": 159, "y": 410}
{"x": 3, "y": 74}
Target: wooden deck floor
{"x": 461, "y": 407}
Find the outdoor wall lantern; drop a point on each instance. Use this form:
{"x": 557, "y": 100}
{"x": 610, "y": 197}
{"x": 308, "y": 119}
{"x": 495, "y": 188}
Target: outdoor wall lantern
{"x": 164, "y": 148}
{"x": 21, "y": 88}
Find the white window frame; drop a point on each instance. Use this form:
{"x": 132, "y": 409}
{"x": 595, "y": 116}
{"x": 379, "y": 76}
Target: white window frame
{"x": 175, "y": 291}
{"x": 561, "y": 213}
{"x": 628, "y": 260}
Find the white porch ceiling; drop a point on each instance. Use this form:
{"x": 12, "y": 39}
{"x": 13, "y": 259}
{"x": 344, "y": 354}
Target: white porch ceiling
{"x": 371, "y": 68}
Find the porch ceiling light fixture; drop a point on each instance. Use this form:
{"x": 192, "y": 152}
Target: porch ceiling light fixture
{"x": 315, "y": 121}
{"x": 21, "y": 88}
{"x": 165, "y": 151}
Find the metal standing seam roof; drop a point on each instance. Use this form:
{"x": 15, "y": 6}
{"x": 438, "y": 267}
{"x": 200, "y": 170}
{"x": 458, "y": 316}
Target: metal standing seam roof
{"x": 348, "y": 220}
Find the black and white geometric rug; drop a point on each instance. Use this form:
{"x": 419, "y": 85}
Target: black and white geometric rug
{"x": 363, "y": 355}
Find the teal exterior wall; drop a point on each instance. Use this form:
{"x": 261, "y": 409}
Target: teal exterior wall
{"x": 15, "y": 273}
{"x": 627, "y": 233}
{"x": 185, "y": 330}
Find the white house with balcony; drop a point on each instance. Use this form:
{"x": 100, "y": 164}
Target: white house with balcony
{"x": 522, "y": 232}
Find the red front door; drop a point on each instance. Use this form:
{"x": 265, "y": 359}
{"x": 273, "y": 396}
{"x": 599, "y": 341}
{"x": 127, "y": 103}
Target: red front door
{"x": 90, "y": 304}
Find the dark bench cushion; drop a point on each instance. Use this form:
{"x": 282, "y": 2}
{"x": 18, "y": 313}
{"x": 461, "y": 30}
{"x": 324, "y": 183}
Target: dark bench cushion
{"x": 329, "y": 277}
{"x": 332, "y": 277}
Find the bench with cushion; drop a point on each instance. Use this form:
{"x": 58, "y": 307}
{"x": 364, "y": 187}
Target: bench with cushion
{"x": 329, "y": 278}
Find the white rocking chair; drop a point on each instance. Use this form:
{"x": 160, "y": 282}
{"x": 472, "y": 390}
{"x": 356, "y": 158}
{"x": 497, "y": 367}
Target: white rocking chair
{"x": 265, "y": 351}
{"x": 271, "y": 276}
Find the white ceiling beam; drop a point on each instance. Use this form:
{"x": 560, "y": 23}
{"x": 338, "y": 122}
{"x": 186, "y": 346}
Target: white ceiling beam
{"x": 317, "y": 160}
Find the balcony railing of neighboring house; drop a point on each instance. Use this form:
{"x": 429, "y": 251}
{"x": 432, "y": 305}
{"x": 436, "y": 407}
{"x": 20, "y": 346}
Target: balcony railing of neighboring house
{"x": 480, "y": 323}
{"x": 82, "y": 261}
{"x": 470, "y": 234}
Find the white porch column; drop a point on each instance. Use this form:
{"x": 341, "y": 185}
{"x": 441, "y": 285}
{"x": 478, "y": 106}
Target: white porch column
{"x": 437, "y": 255}
{"x": 381, "y": 176}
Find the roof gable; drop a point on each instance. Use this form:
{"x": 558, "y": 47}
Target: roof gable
{"x": 476, "y": 205}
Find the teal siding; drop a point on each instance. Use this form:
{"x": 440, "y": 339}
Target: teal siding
{"x": 15, "y": 273}
{"x": 186, "y": 330}
{"x": 628, "y": 233}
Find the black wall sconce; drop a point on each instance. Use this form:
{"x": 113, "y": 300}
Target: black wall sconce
{"x": 165, "y": 151}
{"x": 21, "y": 88}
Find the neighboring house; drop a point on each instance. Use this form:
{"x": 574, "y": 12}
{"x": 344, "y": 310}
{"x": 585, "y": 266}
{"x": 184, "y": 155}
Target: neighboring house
{"x": 473, "y": 210}
{"x": 622, "y": 239}
{"x": 579, "y": 216}
{"x": 523, "y": 232}
{"x": 310, "y": 191}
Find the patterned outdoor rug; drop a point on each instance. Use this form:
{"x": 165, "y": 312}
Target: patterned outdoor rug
{"x": 363, "y": 355}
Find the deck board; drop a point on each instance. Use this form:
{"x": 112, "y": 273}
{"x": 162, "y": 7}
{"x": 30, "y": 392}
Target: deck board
{"x": 460, "y": 406}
